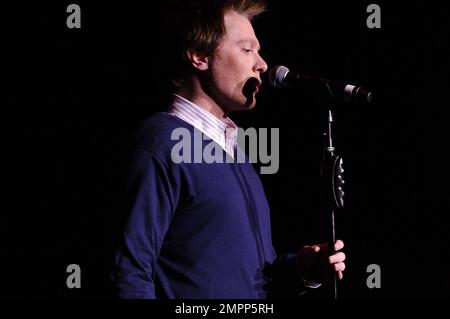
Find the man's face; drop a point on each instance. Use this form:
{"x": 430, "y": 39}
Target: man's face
{"x": 236, "y": 66}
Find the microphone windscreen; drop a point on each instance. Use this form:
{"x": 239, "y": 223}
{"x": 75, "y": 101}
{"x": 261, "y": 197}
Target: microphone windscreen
{"x": 277, "y": 75}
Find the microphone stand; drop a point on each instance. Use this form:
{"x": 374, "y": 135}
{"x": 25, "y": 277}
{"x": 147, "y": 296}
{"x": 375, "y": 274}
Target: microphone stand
{"x": 332, "y": 176}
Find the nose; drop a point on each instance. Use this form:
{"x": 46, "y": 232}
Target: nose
{"x": 260, "y": 65}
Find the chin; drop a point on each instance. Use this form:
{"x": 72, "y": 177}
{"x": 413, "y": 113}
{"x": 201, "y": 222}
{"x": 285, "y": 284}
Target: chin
{"x": 251, "y": 106}
{"x": 246, "y": 105}
{"x": 250, "y": 103}
{"x": 243, "y": 103}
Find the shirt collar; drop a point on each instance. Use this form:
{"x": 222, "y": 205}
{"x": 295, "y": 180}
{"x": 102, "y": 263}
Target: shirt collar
{"x": 223, "y": 133}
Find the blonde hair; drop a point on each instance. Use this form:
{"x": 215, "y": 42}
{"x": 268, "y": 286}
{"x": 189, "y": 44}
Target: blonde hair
{"x": 198, "y": 25}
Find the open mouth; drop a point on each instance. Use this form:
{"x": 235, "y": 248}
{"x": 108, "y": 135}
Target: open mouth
{"x": 251, "y": 86}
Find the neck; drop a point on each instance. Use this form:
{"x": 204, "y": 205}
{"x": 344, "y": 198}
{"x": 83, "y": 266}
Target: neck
{"x": 193, "y": 91}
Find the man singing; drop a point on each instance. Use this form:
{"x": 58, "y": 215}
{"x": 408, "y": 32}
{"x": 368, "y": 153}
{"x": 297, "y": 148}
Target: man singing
{"x": 202, "y": 230}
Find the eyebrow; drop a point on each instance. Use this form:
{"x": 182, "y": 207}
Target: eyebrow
{"x": 252, "y": 42}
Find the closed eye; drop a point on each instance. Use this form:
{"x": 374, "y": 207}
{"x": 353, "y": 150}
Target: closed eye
{"x": 247, "y": 50}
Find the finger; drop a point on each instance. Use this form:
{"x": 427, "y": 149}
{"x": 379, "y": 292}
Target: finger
{"x": 313, "y": 248}
{"x": 336, "y": 258}
{"x": 339, "y": 267}
{"x": 338, "y": 245}
{"x": 340, "y": 275}
{"x": 309, "y": 250}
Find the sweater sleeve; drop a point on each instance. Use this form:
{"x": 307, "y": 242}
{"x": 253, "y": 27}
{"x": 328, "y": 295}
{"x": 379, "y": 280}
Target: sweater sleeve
{"x": 151, "y": 201}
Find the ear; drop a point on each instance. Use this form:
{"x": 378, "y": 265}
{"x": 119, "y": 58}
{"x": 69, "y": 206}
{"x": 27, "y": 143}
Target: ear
{"x": 199, "y": 61}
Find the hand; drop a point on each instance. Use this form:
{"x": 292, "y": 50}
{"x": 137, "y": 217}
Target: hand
{"x": 313, "y": 262}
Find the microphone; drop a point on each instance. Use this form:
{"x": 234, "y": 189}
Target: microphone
{"x": 280, "y": 76}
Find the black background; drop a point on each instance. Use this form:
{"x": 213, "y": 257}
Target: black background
{"x": 73, "y": 98}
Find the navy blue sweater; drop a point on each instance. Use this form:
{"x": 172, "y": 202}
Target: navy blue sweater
{"x": 195, "y": 230}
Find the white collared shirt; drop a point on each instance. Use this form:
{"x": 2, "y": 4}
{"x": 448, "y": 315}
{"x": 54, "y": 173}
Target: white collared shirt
{"x": 223, "y": 133}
